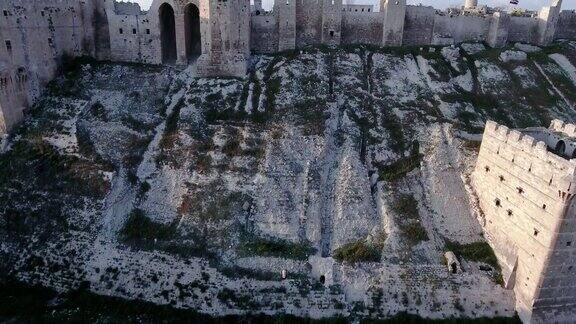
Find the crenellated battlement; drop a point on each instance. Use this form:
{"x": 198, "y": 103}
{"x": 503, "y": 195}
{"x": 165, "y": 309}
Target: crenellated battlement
{"x": 564, "y": 128}
{"x": 526, "y": 183}
{"x": 526, "y": 143}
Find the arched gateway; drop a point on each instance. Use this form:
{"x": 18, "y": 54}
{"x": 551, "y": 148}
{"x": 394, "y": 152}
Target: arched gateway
{"x": 192, "y": 31}
{"x": 167, "y": 33}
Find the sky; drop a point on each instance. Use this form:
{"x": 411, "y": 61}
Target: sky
{"x": 531, "y": 4}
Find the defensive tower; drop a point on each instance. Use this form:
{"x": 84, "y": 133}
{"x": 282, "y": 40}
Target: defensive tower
{"x": 525, "y": 181}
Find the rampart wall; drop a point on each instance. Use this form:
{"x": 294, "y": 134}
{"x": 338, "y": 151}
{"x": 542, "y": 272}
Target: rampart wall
{"x": 362, "y": 27}
{"x": 419, "y": 25}
{"x": 34, "y": 35}
{"x": 566, "y": 25}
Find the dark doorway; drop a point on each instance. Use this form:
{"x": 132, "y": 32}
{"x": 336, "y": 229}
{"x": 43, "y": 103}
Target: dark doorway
{"x": 192, "y": 27}
{"x": 454, "y": 268}
{"x": 560, "y": 148}
{"x": 167, "y": 33}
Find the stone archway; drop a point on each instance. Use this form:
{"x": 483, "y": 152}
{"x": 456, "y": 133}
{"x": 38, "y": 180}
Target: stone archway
{"x": 167, "y": 33}
{"x": 192, "y": 31}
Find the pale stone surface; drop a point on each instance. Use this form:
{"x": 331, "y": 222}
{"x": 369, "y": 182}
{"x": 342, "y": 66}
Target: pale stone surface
{"x": 229, "y": 31}
{"x": 526, "y": 193}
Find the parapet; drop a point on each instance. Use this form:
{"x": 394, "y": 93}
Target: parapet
{"x": 127, "y": 8}
{"x": 565, "y": 128}
{"x": 530, "y": 145}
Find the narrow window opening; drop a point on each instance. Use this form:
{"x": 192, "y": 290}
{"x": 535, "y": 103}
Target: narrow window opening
{"x": 5, "y": 13}
{"x": 322, "y": 279}
{"x": 487, "y": 168}
{"x": 331, "y": 33}
{"x": 498, "y": 202}
{"x": 121, "y": 31}
{"x": 147, "y": 31}
{"x": 501, "y": 178}
{"x": 544, "y": 206}
{"x": 536, "y": 232}
{"x": 134, "y": 31}
{"x": 9, "y": 46}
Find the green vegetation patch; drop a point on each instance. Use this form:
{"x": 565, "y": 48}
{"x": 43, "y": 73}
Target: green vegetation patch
{"x": 140, "y": 227}
{"x": 477, "y": 251}
{"x": 356, "y": 252}
{"x": 399, "y": 169}
{"x": 276, "y": 248}
{"x": 407, "y": 206}
{"x": 38, "y": 185}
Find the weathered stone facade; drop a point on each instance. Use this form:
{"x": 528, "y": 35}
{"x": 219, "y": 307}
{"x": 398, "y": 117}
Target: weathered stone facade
{"x": 525, "y": 181}
{"x": 219, "y": 35}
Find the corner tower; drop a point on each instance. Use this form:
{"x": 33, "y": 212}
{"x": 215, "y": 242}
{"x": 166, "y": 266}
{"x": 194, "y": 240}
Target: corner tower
{"x": 470, "y": 4}
{"x": 225, "y": 35}
{"x": 394, "y": 12}
{"x": 547, "y": 20}
{"x": 525, "y": 181}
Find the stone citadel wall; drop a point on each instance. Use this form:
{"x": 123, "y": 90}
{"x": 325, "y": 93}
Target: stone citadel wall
{"x": 34, "y": 35}
{"x": 219, "y": 35}
{"x": 526, "y": 195}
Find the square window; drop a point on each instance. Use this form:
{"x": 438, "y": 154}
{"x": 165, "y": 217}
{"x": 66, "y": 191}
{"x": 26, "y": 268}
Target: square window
{"x": 510, "y": 212}
{"x": 568, "y": 243}
{"x": 5, "y": 13}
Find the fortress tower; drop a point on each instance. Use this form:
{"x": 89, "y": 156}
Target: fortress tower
{"x": 548, "y": 20}
{"x": 470, "y": 4}
{"x": 525, "y": 181}
{"x": 394, "y": 12}
{"x": 225, "y": 37}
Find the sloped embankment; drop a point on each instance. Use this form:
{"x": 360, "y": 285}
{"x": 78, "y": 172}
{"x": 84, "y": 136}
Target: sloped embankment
{"x": 346, "y": 167}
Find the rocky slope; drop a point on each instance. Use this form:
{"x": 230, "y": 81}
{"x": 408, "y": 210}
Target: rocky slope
{"x": 348, "y": 168}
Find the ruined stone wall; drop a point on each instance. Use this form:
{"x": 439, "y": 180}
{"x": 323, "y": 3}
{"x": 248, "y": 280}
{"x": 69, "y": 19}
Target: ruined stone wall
{"x": 457, "y": 29}
{"x": 498, "y": 32}
{"x": 308, "y": 22}
{"x": 362, "y": 27}
{"x": 419, "y": 25}
{"x": 523, "y": 29}
{"x": 522, "y": 192}
{"x": 566, "y": 28}
{"x": 34, "y": 36}
{"x": 264, "y": 34}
